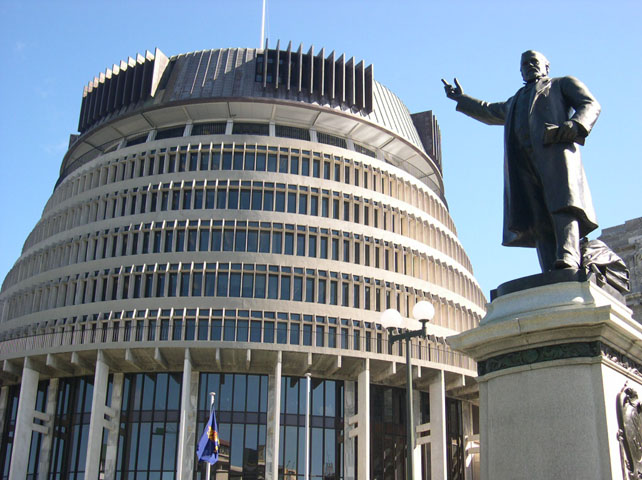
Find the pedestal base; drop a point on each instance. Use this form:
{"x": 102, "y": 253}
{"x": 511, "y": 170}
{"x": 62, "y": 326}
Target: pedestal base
{"x": 552, "y": 361}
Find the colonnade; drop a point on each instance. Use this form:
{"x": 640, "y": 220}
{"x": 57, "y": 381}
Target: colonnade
{"x": 357, "y": 428}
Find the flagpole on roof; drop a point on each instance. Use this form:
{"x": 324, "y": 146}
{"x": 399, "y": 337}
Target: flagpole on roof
{"x": 212, "y": 397}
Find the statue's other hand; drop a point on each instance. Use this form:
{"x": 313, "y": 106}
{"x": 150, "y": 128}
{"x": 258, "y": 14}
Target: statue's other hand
{"x": 568, "y": 132}
{"x": 454, "y": 93}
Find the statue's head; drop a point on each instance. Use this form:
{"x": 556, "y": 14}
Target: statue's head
{"x": 534, "y": 65}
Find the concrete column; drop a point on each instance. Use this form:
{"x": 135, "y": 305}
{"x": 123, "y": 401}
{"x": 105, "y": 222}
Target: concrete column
{"x": 112, "y": 437}
{"x": 416, "y": 453}
{"x": 273, "y": 422}
{"x": 47, "y": 440}
{"x": 438, "y": 461}
{"x": 97, "y": 420}
{"x": 349, "y": 410}
{"x": 24, "y": 421}
{"x": 187, "y": 429}
{"x": 363, "y": 419}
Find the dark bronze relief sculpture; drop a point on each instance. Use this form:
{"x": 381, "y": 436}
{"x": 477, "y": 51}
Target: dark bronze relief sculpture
{"x": 629, "y": 416}
{"x": 547, "y": 202}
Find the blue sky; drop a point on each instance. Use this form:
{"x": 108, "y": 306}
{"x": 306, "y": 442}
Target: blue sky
{"x": 50, "y": 50}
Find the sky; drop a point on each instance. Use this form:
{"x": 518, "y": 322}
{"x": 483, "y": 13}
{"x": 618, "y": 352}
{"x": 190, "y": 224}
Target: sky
{"x": 51, "y": 49}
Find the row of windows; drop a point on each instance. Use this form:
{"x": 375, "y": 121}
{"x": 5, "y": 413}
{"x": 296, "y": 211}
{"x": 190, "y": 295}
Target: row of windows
{"x": 255, "y": 196}
{"x": 254, "y": 237}
{"x": 253, "y": 158}
{"x": 225, "y": 280}
{"x": 259, "y": 196}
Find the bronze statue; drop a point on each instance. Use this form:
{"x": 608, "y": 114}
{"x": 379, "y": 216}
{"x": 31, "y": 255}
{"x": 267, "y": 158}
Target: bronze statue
{"x": 547, "y": 202}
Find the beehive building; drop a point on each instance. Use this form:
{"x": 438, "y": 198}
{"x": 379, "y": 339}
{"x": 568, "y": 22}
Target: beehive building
{"x": 236, "y": 221}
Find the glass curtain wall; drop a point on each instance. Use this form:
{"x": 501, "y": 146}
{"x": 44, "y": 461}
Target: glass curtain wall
{"x": 454, "y": 440}
{"x": 388, "y": 433}
{"x": 8, "y": 430}
{"x": 241, "y": 414}
{"x": 326, "y": 428}
{"x": 149, "y": 422}
{"x": 71, "y": 428}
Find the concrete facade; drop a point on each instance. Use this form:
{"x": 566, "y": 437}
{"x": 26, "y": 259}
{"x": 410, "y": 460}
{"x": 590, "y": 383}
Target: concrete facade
{"x": 221, "y": 222}
{"x": 626, "y": 241}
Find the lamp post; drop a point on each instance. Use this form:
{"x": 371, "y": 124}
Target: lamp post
{"x": 391, "y": 318}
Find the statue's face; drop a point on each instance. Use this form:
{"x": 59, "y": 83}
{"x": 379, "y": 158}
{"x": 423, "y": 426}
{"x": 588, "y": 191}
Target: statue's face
{"x": 534, "y": 66}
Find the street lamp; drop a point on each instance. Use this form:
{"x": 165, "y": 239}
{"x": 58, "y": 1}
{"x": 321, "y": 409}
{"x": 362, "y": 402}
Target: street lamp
{"x": 423, "y": 312}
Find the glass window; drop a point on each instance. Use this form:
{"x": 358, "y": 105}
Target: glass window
{"x": 314, "y": 205}
{"x": 248, "y": 284}
{"x": 204, "y": 240}
{"x": 271, "y": 166}
{"x": 191, "y": 239}
{"x": 276, "y": 242}
{"x": 245, "y": 199}
{"x": 281, "y": 332}
{"x": 285, "y": 287}
{"x": 216, "y": 240}
{"x": 300, "y": 244}
{"x": 259, "y": 286}
{"x": 239, "y": 244}
{"x": 291, "y": 202}
{"x": 264, "y": 242}
{"x": 229, "y": 330}
{"x": 255, "y": 336}
{"x": 297, "y": 292}
{"x": 238, "y": 160}
{"x": 289, "y": 243}
{"x": 268, "y": 200}
{"x": 260, "y": 162}
{"x": 235, "y": 284}
{"x": 257, "y": 199}
{"x": 323, "y": 250}
{"x": 233, "y": 199}
{"x": 273, "y": 286}
{"x": 309, "y": 289}
{"x": 321, "y": 291}
{"x": 228, "y": 239}
{"x": 252, "y": 240}
{"x": 312, "y": 246}
{"x": 280, "y": 201}
{"x": 268, "y": 332}
{"x": 209, "y": 198}
{"x": 294, "y": 333}
{"x": 221, "y": 198}
{"x": 221, "y": 286}
{"x": 303, "y": 204}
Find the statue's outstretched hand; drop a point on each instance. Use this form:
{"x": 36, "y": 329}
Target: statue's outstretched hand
{"x": 454, "y": 93}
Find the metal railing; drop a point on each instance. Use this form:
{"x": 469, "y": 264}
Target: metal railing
{"x": 162, "y": 332}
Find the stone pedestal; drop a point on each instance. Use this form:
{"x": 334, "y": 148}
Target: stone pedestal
{"x": 552, "y": 360}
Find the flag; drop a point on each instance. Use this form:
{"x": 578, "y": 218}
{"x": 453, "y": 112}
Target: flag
{"x": 208, "y": 445}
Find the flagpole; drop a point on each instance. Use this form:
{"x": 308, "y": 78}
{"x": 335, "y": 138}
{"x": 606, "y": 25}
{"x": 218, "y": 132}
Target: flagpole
{"x": 209, "y": 465}
{"x": 263, "y": 26}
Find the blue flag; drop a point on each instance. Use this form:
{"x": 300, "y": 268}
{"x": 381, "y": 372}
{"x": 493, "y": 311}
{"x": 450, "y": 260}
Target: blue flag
{"x": 208, "y": 445}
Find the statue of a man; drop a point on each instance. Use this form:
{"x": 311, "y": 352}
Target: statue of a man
{"x": 547, "y": 202}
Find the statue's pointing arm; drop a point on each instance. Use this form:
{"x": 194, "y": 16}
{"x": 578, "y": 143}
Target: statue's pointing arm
{"x": 488, "y": 113}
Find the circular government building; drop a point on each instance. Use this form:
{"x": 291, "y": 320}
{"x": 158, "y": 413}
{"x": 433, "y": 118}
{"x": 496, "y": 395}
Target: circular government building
{"x": 236, "y": 221}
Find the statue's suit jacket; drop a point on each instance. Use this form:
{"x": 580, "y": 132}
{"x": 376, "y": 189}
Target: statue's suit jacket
{"x": 558, "y": 166}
